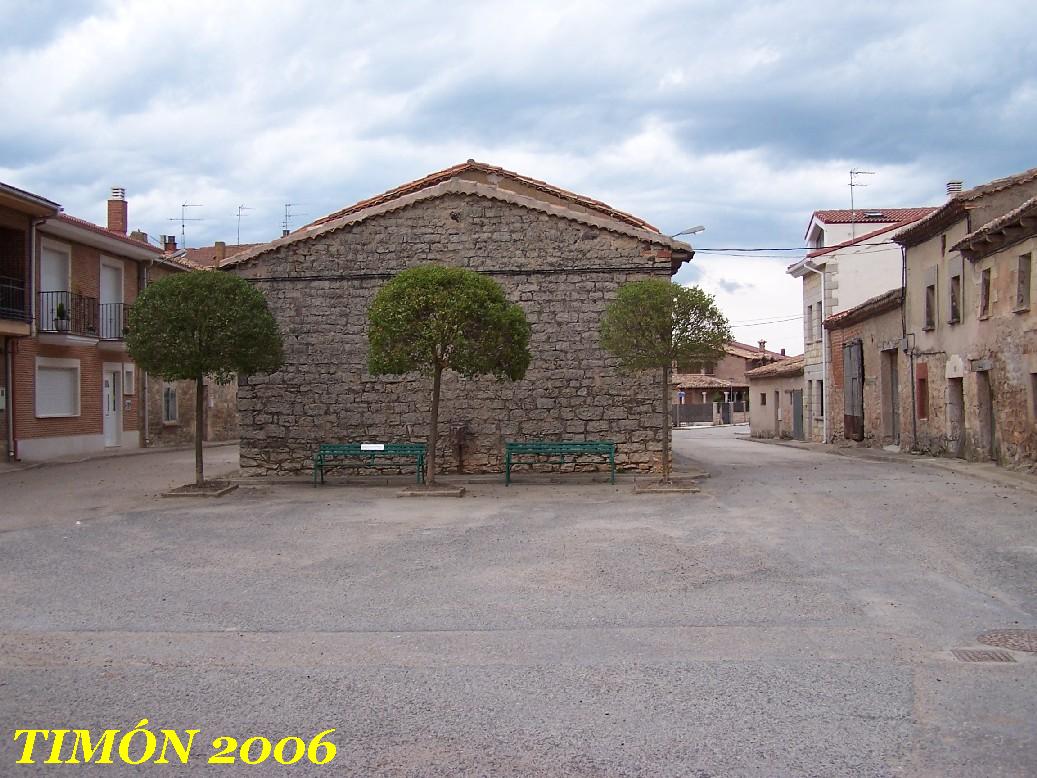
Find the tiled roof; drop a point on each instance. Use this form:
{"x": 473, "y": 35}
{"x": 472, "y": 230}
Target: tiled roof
{"x": 471, "y": 166}
{"x": 887, "y": 301}
{"x": 205, "y": 256}
{"x": 955, "y": 208}
{"x": 84, "y": 224}
{"x": 746, "y": 351}
{"x": 698, "y": 381}
{"x": 28, "y": 197}
{"x": 863, "y": 215}
{"x": 995, "y": 234}
{"x": 786, "y": 368}
{"x": 867, "y": 236}
{"x": 681, "y": 251}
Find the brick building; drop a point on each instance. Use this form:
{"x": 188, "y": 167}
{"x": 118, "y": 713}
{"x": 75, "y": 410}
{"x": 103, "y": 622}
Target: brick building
{"x": 561, "y": 256}
{"x": 68, "y": 386}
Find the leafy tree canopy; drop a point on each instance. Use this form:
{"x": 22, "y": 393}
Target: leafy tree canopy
{"x": 432, "y": 317}
{"x": 203, "y": 323}
{"x": 653, "y": 323}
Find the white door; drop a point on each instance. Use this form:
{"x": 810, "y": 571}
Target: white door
{"x": 111, "y": 407}
{"x": 111, "y": 296}
{"x": 54, "y": 268}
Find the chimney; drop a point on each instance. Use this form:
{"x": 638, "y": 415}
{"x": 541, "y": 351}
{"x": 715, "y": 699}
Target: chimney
{"x": 763, "y": 345}
{"x": 117, "y": 215}
{"x": 284, "y": 233}
{"x": 783, "y": 352}
{"x": 221, "y": 252}
{"x": 954, "y": 188}
{"x": 139, "y": 235}
{"x": 169, "y": 243}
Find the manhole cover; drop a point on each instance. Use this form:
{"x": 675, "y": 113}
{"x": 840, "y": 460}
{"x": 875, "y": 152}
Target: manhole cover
{"x": 981, "y": 655}
{"x": 1014, "y": 639}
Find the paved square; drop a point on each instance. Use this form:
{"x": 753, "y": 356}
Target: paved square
{"x": 794, "y": 618}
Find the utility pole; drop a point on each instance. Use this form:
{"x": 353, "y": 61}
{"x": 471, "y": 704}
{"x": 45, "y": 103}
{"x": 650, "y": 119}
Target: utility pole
{"x": 240, "y": 209}
{"x": 854, "y": 173}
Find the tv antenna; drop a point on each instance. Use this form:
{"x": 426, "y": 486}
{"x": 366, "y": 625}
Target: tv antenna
{"x": 183, "y": 220}
{"x": 240, "y": 209}
{"x": 286, "y": 225}
{"x": 854, "y": 173}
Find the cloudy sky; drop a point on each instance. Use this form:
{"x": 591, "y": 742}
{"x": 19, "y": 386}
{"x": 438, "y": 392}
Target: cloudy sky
{"x": 743, "y": 117}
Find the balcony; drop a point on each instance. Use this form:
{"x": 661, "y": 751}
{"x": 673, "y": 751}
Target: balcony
{"x": 67, "y": 318}
{"x": 113, "y": 320}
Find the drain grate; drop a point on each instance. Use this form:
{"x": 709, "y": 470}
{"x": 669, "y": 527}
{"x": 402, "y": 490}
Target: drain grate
{"x": 1014, "y": 639}
{"x": 981, "y": 655}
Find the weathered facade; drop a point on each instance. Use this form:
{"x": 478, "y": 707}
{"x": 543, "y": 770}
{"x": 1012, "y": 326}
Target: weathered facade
{"x": 972, "y": 326}
{"x": 777, "y": 399}
{"x": 866, "y": 372}
{"x": 558, "y": 255}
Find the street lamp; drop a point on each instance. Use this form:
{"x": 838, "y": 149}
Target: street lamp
{"x": 689, "y": 231}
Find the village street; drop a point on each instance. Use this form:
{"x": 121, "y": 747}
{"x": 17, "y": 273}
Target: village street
{"x": 794, "y": 618}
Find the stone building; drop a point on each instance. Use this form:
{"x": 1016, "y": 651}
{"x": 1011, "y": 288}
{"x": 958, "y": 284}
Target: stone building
{"x": 971, "y": 325}
{"x": 864, "y": 373}
{"x": 559, "y": 255}
{"x": 776, "y": 409}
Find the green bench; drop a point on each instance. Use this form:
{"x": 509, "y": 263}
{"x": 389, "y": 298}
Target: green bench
{"x": 561, "y": 449}
{"x": 328, "y": 453}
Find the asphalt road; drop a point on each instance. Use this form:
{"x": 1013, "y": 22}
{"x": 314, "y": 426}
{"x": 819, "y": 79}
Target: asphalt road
{"x": 794, "y": 618}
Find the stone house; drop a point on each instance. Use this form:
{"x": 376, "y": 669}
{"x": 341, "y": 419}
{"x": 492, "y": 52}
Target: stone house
{"x": 559, "y": 255}
{"x": 971, "y": 324}
{"x": 865, "y": 370}
{"x": 852, "y": 259}
{"x": 777, "y": 399}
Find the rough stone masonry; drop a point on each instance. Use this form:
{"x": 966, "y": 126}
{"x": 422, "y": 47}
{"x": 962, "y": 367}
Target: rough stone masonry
{"x": 561, "y": 265}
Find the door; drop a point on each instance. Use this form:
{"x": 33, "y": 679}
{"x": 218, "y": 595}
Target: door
{"x": 853, "y": 390}
{"x": 797, "y": 414}
{"x": 111, "y": 406}
{"x": 985, "y": 396}
{"x": 777, "y": 413}
{"x": 111, "y": 300}
{"x": 54, "y": 286}
{"x": 956, "y": 416}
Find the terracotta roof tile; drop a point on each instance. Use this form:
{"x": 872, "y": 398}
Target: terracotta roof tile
{"x": 887, "y": 301}
{"x": 205, "y": 256}
{"x": 84, "y": 224}
{"x": 479, "y": 167}
{"x": 792, "y": 366}
{"x": 861, "y": 215}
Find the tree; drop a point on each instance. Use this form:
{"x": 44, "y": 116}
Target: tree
{"x": 433, "y": 318}
{"x": 654, "y": 323}
{"x": 203, "y": 323}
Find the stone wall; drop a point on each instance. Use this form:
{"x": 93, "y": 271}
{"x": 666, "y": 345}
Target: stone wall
{"x": 562, "y": 272}
{"x": 221, "y": 417}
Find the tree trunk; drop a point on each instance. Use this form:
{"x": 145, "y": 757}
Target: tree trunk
{"x": 199, "y": 422}
{"x": 433, "y": 432}
{"x": 666, "y": 423}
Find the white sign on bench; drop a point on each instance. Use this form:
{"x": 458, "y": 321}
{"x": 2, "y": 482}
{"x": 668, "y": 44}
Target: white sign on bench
{"x": 372, "y": 447}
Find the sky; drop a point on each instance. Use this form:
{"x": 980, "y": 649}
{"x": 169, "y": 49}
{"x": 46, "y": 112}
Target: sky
{"x": 742, "y": 117}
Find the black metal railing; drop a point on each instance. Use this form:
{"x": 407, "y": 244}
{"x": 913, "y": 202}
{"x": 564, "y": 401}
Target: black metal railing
{"x": 113, "y": 321}
{"x": 74, "y": 314}
{"x": 13, "y": 299}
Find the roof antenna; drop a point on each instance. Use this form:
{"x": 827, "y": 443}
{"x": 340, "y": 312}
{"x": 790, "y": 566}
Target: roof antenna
{"x": 240, "y": 209}
{"x": 286, "y": 225}
{"x": 183, "y": 219}
{"x": 853, "y": 211}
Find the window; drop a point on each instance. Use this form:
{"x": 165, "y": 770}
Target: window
{"x": 57, "y": 387}
{"x": 1022, "y": 284}
{"x": 169, "y": 414}
{"x": 821, "y": 397}
{"x": 810, "y": 394}
{"x": 984, "y": 294}
{"x": 763, "y": 397}
{"x": 955, "y": 300}
{"x": 930, "y": 307}
{"x": 818, "y": 325}
{"x": 922, "y": 397}
{"x": 810, "y": 324}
